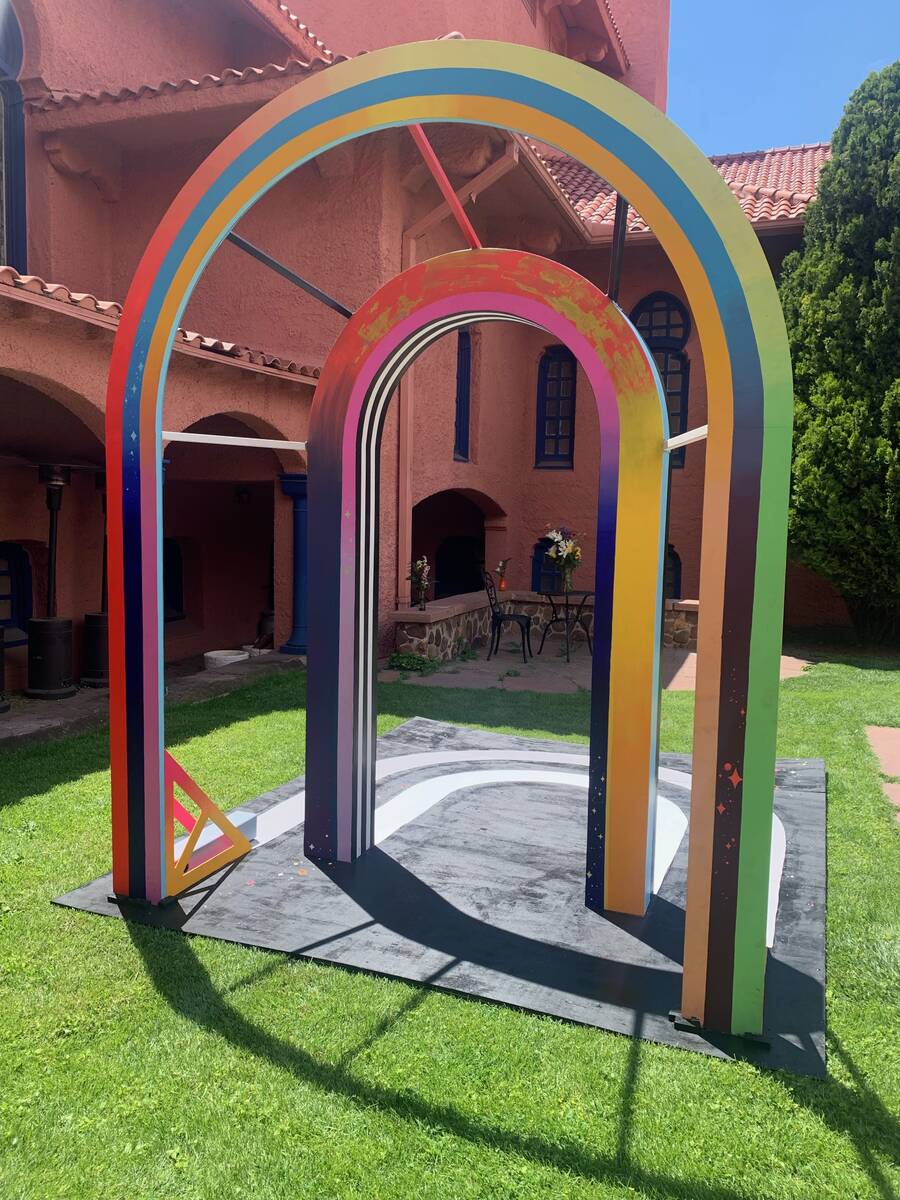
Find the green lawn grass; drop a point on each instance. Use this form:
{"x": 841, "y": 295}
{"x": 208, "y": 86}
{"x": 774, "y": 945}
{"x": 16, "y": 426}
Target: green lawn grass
{"x": 142, "y": 1064}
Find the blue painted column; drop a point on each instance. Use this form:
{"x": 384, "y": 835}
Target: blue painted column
{"x": 294, "y": 485}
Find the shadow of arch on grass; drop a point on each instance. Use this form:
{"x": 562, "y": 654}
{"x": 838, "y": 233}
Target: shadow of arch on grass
{"x": 184, "y": 983}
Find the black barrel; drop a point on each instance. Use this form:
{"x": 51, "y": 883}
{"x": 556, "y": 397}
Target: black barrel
{"x": 94, "y": 650}
{"x": 50, "y": 658}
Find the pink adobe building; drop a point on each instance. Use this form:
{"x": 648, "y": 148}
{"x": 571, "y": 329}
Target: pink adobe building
{"x": 492, "y": 436}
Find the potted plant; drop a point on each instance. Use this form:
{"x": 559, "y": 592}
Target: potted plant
{"x": 418, "y": 577}
{"x": 566, "y": 554}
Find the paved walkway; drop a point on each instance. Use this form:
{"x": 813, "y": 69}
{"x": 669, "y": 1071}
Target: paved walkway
{"x": 886, "y": 744}
{"x": 550, "y": 673}
{"x": 35, "y": 720}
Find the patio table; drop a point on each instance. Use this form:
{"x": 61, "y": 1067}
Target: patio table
{"x": 568, "y": 616}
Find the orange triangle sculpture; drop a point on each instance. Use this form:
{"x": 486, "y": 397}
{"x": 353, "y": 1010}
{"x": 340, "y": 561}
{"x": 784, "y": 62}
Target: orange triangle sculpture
{"x": 194, "y": 864}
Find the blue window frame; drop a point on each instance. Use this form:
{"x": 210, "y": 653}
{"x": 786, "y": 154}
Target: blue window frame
{"x": 12, "y": 145}
{"x": 545, "y": 574}
{"x": 15, "y": 593}
{"x": 463, "y": 394}
{"x": 555, "y": 427}
{"x": 665, "y": 325}
{"x": 675, "y": 373}
{"x": 672, "y": 577}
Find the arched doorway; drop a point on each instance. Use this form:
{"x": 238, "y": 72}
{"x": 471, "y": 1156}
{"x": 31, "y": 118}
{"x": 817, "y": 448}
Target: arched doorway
{"x": 38, "y": 431}
{"x": 448, "y": 527}
{"x": 218, "y": 541}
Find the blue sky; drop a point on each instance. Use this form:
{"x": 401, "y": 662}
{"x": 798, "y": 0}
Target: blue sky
{"x": 748, "y": 76}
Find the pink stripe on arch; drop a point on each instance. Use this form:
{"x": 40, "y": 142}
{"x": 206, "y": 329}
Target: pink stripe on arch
{"x": 526, "y": 308}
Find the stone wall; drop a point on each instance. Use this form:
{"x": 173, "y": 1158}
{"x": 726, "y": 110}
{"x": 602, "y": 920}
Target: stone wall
{"x": 447, "y": 626}
{"x": 680, "y": 624}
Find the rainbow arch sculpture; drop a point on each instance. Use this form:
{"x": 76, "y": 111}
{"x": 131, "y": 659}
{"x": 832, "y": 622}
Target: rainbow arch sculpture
{"x": 732, "y": 297}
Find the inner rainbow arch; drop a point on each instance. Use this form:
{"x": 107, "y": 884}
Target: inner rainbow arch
{"x": 733, "y": 299}
{"x": 381, "y": 341}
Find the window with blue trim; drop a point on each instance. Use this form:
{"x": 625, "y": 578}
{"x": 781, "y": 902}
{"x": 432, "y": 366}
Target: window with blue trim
{"x": 15, "y": 593}
{"x": 545, "y": 574}
{"x": 672, "y": 574}
{"x": 555, "y": 431}
{"x": 12, "y": 145}
{"x": 463, "y": 394}
{"x": 665, "y": 325}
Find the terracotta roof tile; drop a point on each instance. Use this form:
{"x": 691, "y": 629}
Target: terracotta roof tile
{"x": 10, "y": 278}
{"x": 617, "y": 31}
{"x": 303, "y": 29}
{"x": 168, "y": 87}
{"x": 770, "y": 185}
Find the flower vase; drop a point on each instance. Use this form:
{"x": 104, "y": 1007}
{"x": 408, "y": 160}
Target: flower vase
{"x": 501, "y": 586}
{"x": 567, "y": 579}
{"x": 422, "y": 598}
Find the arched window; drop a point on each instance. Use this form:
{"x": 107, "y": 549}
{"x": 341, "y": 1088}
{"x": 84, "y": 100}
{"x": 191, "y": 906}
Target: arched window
{"x": 665, "y": 325}
{"x": 672, "y": 577}
{"x": 15, "y": 593}
{"x": 12, "y": 144}
{"x": 555, "y": 432}
{"x": 545, "y": 576}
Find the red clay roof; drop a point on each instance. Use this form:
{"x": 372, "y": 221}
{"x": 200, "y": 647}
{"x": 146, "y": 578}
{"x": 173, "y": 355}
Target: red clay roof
{"x": 303, "y": 29}
{"x": 168, "y": 87}
{"x": 770, "y": 185}
{"x": 617, "y": 32}
{"x": 111, "y": 311}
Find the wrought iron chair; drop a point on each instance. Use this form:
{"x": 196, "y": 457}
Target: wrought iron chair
{"x": 499, "y": 618}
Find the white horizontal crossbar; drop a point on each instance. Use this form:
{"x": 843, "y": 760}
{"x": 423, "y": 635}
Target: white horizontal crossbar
{"x": 686, "y": 439}
{"x": 219, "y": 439}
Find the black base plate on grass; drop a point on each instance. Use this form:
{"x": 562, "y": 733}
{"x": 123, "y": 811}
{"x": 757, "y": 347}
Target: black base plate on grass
{"x": 482, "y": 894}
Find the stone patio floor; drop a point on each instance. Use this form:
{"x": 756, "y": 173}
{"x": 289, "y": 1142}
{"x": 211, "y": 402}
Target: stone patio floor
{"x": 34, "y": 720}
{"x": 885, "y": 742}
{"x": 549, "y": 672}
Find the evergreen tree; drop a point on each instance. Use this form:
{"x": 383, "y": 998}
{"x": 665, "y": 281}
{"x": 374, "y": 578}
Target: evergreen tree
{"x": 841, "y": 297}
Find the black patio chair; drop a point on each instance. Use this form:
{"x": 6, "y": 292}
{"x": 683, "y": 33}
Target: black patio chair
{"x": 499, "y": 618}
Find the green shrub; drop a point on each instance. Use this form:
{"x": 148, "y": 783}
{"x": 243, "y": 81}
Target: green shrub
{"x": 416, "y": 663}
{"x": 841, "y": 298}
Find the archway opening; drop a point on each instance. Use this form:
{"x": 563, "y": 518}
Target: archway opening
{"x": 218, "y": 581}
{"x": 448, "y": 528}
{"x": 37, "y": 432}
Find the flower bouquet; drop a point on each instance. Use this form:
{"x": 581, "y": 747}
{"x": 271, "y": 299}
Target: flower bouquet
{"x": 418, "y": 577}
{"x": 501, "y": 573}
{"x": 565, "y": 553}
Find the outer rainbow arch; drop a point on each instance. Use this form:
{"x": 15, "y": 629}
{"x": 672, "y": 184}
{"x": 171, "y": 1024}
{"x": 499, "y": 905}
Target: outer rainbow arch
{"x": 733, "y": 300}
